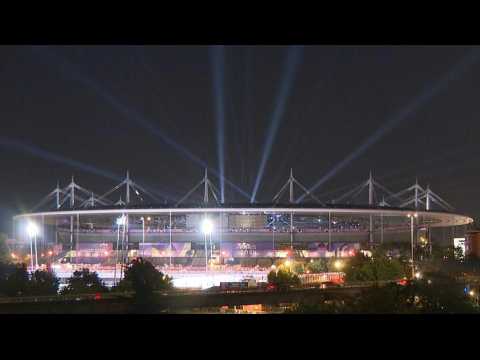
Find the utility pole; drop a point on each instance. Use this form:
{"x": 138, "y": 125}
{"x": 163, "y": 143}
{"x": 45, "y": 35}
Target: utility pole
{"x": 413, "y": 242}
{"x": 77, "y": 239}
{"x": 381, "y": 228}
{"x": 292, "y": 200}
{"x": 291, "y": 230}
{"x": 427, "y": 202}
{"x": 170, "y": 231}
{"x": 72, "y": 204}
{"x": 71, "y": 237}
{"x": 329, "y": 231}
{"x": 127, "y": 237}
{"x": 370, "y": 203}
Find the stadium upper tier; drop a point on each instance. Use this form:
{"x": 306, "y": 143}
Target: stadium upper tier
{"x": 426, "y": 218}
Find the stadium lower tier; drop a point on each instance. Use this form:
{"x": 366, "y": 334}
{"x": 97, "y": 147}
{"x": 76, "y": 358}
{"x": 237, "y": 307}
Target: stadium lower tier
{"x": 191, "y": 249}
{"x": 236, "y": 237}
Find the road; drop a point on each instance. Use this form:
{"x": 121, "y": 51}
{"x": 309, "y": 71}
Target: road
{"x": 171, "y": 301}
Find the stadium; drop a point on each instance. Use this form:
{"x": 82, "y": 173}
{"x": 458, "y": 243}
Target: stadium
{"x": 201, "y": 244}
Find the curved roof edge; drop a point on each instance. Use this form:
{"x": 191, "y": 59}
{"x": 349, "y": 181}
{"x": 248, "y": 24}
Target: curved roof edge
{"x": 431, "y": 218}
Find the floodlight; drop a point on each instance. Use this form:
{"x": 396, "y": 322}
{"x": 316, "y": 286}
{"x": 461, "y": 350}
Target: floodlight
{"x": 207, "y": 226}
{"x": 32, "y": 229}
{"x": 338, "y": 264}
{"x": 121, "y": 220}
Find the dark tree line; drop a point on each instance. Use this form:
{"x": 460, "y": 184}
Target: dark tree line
{"x": 435, "y": 294}
{"x": 141, "y": 278}
{"x": 16, "y": 281}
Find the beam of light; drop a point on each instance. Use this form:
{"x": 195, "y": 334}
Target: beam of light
{"x": 423, "y": 167}
{"x": 49, "y": 156}
{"x": 131, "y": 114}
{"x": 218, "y": 69}
{"x": 291, "y": 65}
{"x": 421, "y": 99}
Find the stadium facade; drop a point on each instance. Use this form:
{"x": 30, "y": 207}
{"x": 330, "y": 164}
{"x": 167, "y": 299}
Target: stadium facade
{"x": 87, "y": 230}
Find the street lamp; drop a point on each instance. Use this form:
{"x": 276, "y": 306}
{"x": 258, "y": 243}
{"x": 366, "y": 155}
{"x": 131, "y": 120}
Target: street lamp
{"x": 120, "y": 221}
{"x": 273, "y": 241}
{"x": 32, "y": 231}
{"x": 143, "y": 234}
{"x": 411, "y": 217}
{"x": 338, "y": 264}
{"x": 207, "y": 229}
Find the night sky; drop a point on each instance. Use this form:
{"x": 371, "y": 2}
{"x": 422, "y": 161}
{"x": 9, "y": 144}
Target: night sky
{"x": 333, "y": 113}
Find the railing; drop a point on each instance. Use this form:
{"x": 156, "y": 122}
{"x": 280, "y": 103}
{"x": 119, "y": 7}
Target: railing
{"x": 297, "y": 229}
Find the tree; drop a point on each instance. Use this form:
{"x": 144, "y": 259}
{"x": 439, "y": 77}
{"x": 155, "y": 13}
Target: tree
{"x": 439, "y": 293}
{"x": 283, "y": 279}
{"x": 388, "y": 299}
{"x": 450, "y": 260}
{"x": 317, "y": 266}
{"x": 435, "y": 293}
{"x": 142, "y": 278}
{"x": 4, "y": 253}
{"x": 16, "y": 284}
{"x": 377, "y": 268}
{"x": 322, "y": 307}
{"x": 43, "y": 283}
{"x": 6, "y": 269}
{"x": 84, "y": 282}
{"x": 375, "y": 300}
{"x": 298, "y": 267}
{"x": 393, "y": 249}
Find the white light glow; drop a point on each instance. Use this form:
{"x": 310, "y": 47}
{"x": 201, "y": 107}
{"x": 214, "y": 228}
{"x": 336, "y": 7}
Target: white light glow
{"x": 338, "y": 264}
{"x": 207, "y": 226}
{"x": 32, "y": 229}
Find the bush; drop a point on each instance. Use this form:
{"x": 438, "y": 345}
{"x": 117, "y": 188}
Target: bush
{"x": 43, "y": 283}
{"x": 16, "y": 283}
{"x": 84, "y": 282}
{"x": 6, "y": 269}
